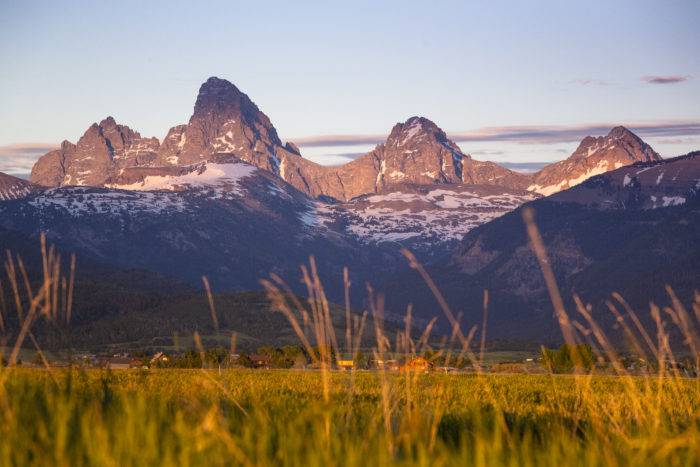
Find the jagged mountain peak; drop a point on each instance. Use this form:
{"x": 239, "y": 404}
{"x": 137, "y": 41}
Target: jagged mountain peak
{"x": 219, "y": 101}
{"x": 104, "y": 148}
{"x": 594, "y": 156}
{"x": 623, "y": 133}
{"x": 220, "y": 95}
{"x": 65, "y": 144}
{"x": 619, "y": 132}
{"x": 418, "y": 151}
{"x": 114, "y": 136}
{"x": 618, "y": 137}
{"x": 225, "y": 120}
{"x": 108, "y": 122}
{"x": 416, "y": 130}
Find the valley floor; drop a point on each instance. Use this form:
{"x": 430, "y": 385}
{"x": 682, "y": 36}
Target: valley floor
{"x": 239, "y": 417}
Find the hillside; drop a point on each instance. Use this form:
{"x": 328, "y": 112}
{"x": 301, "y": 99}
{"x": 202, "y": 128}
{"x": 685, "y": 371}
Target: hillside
{"x": 598, "y": 242}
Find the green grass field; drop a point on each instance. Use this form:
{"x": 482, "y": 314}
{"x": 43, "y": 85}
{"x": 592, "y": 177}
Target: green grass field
{"x": 195, "y": 417}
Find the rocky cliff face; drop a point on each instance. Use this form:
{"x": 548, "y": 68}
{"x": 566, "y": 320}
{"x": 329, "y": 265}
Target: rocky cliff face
{"x": 102, "y": 151}
{"x": 417, "y": 152}
{"x": 14, "y": 188}
{"x": 594, "y": 156}
{"x": 225, "y": 120}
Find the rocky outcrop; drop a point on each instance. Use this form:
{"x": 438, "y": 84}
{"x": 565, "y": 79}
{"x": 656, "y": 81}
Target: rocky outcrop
{"x": 50, "y": 169}
{"x": 593, "y": 156}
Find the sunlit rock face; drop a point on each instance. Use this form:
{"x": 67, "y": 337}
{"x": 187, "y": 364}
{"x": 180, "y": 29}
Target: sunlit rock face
{"x": 593, "y": 156}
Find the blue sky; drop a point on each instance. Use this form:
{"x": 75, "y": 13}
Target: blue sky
{"x": 356, "y": 68}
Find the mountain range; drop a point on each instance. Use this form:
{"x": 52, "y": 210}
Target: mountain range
{"x": 222, "y": 196}
{"x": 226, "y": 121}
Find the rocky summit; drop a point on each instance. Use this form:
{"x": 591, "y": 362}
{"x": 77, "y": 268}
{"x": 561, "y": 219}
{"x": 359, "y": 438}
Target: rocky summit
{"x": 225, "y": 120}
{"x": 417, "y": 152}
{"x": 102, "y": 151}
{"x": 593, "y": 156}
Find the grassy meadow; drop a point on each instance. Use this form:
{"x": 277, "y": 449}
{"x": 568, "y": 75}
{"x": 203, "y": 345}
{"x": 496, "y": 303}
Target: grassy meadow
{"x": 602, "y": 413}
{"x": 239, "y": 417}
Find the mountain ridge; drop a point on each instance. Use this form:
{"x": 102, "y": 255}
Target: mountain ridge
{"x": 14, "y": 187}
{"x": 225, "y": 120}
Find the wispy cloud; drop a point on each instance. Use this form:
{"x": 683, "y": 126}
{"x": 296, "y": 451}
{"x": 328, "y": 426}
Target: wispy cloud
{"x": 530, "y": 134}
{"x": 482, "y": 152}
{"x": 20, "y": 157}
{"x": 524, "y": 167}
{"x": 326, "y": 158}
{"x": 338, "y": 140}
{"x": 591, "y": 82}
{"x": 671, "y": 79}
{"x": 349, "y": 155}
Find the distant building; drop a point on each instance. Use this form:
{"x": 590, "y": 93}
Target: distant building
{"x": 345, "y": 362}
{"x": 159, "y": 359}
{"x": 118, "y": 363}
{"x": 260, "y": 361}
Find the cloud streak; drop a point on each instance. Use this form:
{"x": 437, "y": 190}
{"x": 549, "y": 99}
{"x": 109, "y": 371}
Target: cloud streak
{"x": 20, "y": 157}
{"x": 672, "y": 79}
{"x": 338, "y": 140}
{"x": 591, "y": 82}
{"x": 531, "y": 134}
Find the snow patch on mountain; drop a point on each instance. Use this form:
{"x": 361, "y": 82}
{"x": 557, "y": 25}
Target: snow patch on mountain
{"x": 14, "y": 192}
{"x": 429, "y": 217}
{"x": 414, "y": 128}
{"x": 89, "y": 201}
{"x": 209, "y": 174}
{"x": 601, "y": 167}
{"x": 673, "y": 200}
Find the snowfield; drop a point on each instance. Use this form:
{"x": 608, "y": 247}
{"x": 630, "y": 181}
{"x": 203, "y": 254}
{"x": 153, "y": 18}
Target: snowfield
{"x": 210, "y": 174}
{"x": 437, "y": 216}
